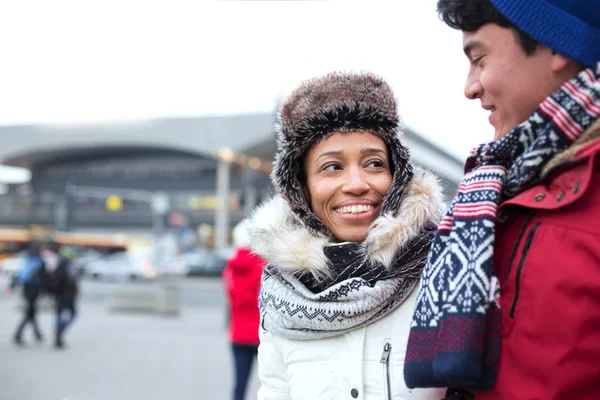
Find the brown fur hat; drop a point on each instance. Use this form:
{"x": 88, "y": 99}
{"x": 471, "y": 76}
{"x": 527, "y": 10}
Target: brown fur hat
{"x": 345, "y": 102}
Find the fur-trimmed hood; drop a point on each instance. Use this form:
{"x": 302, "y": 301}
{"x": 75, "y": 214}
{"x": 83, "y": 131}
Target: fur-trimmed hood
{"x": 283, "y": 240}
{"x": 336, "y": 102}
{"x": 591, "y": 134}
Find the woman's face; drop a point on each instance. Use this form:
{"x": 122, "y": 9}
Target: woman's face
{"x": 348, "y": 175}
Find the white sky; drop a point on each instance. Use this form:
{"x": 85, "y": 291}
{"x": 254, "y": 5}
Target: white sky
{"x": 94, "y": 61}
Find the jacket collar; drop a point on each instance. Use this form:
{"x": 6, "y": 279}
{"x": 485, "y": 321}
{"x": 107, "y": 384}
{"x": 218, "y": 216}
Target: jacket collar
{"x": 565, "y": 178}
{"x": 570, "y": 154}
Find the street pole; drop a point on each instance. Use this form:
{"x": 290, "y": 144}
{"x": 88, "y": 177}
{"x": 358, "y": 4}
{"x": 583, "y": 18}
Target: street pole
{"x": 222, "y": 211}
{"x": 250, "y": 192}
{"x": 160, "y": 207}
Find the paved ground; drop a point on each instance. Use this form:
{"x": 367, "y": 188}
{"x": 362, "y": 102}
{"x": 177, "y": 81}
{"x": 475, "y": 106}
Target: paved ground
{"x": 124, "y": 356}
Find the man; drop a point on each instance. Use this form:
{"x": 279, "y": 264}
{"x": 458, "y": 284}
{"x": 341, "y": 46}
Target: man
{"x": 65, "y": 289}
{"x": 32, "y": 277}
{"x": 509, "y": 305}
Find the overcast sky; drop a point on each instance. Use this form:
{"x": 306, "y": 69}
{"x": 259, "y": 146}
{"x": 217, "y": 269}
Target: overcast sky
{"x": 106, "y": 61}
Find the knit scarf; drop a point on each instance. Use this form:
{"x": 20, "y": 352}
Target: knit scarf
{"x": 314, "y": 288}
{"x": 455, "y": 333}
{"x": 358, "y": 293}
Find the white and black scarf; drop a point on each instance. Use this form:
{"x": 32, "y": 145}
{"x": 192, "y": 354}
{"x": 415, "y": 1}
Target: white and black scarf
{"x": 455, "y": 333}
{"x": 313, "y": 287}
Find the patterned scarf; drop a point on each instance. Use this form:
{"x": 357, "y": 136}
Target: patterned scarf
{"x": 455, "y": 332}
{"x": 358, "y": 293}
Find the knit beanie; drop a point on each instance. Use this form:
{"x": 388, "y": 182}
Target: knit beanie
{"x": 569, "y": 27}
{"x": 337, "y": 102}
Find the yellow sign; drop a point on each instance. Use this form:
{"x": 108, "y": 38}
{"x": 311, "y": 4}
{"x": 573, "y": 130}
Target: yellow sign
{"x": 114, "y": 203}
{"x": 198, "y": 203}
{"x": 211, "y": 203}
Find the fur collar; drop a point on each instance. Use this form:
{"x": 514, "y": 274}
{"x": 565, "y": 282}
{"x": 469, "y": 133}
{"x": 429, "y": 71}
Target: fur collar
{"x": 279, "y": 237}
{"x": 591, "y": 134}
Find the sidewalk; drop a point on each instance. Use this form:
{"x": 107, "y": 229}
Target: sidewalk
{"x": 120, "y": 357}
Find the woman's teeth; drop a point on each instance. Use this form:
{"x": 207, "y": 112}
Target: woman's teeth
{"x": 354, "y": 209}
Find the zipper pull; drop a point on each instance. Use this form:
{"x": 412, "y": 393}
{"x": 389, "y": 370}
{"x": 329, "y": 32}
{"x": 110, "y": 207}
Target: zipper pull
{"x": 387, "y": 348}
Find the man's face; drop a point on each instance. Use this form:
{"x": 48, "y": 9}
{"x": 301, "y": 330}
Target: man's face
{"x": 509, "y": 83}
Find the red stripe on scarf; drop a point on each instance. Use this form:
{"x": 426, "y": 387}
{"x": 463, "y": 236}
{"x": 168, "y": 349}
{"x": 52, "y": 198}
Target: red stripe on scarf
{"x": 560, "y": 118}
{"x": 585, "y": 100}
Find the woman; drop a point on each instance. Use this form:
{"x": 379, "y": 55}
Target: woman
{"x": 242, "y": 280}
{"x": 345, "y": 242}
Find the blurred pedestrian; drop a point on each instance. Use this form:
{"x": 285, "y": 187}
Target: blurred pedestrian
{"x": 65, "y": 288}
{"x": 242, "y": 276}
{"x": 345, "y": 241}
{"x": 32, "y": 278}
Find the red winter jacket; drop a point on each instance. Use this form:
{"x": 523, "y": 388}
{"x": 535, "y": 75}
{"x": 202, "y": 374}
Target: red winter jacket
{"x": 242, "y": 279}
{"x": 547, "y": 257}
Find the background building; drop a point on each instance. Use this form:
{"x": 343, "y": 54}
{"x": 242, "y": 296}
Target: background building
{"x": 158, "y": 174}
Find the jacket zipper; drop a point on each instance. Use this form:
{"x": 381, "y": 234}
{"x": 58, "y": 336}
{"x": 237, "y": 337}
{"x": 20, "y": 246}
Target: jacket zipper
{"x": 519, "y": 272}
{"x": 385, "y": 360}
{"x": 516, "y": 246}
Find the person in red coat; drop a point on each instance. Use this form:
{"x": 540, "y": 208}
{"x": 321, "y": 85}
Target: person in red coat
{"x": 242, "y": 280}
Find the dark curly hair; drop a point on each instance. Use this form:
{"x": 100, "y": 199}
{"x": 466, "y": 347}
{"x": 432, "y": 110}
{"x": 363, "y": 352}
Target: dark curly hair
{"x": 470, "y": 15}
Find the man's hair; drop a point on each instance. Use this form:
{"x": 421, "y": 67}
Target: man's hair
{"x": 470, "y": 15}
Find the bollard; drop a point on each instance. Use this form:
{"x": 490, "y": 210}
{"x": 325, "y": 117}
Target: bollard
{"x": 163, "y": 298}
{"x": 170, "y": 299}
{"x": 133, "y": 300}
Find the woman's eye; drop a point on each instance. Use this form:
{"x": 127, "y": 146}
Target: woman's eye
{"x": 376, "y": 164}
{"x": 331, "y": 167}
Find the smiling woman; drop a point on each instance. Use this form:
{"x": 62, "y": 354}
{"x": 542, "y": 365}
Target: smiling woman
{"x": 345, "y": 239}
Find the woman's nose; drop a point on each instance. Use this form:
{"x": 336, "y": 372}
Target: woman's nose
{"x": 356, "y": 183}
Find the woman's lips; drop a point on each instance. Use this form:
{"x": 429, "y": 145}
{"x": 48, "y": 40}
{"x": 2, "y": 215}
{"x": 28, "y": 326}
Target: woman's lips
{"x": 355, "y": 209}
{"x": 359, "y": 212}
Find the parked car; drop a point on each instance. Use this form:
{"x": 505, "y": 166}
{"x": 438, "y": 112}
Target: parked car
{"x": 176, "y": 266}
{"x": 167, "y": 264}
{"x": 225, "y": 253}
{"x": 204, "y": 263}
{"x": 11, "y": 265}
{"x": 82, "y": 260}
{"x": 121, "y": 266}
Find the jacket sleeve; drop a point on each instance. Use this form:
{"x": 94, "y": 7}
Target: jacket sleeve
{"x": 271, "y": 369}
{"x": 46, "y": 279}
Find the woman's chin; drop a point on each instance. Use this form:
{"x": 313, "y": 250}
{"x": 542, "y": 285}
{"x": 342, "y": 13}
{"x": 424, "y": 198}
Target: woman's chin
{"x": 351, "y": 233}
{"x": 349, "y": 227}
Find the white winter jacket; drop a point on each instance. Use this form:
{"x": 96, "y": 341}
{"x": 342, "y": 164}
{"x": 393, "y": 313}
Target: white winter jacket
{"x": 366, "y": 364}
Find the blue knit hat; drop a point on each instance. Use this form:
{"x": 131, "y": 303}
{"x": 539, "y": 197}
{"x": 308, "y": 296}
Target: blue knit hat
{"x": 569, "y": 27}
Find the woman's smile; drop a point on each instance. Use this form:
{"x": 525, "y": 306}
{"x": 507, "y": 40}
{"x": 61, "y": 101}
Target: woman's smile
{"x": 361, "y": 213}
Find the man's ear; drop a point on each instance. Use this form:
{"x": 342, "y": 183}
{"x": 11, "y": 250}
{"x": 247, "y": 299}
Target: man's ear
{"x": 561, "y": 63}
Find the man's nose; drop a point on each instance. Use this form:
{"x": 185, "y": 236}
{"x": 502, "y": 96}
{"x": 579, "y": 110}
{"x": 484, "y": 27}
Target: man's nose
{"x": 473, "y": 88}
